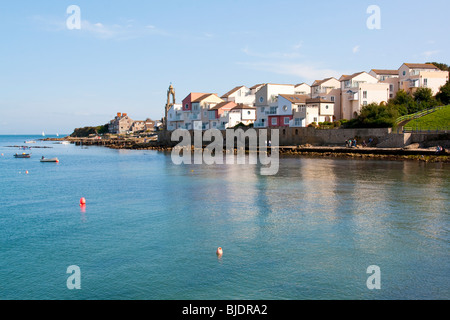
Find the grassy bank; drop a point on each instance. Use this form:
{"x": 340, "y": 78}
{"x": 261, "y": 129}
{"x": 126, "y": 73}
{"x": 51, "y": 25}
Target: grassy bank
{"x": 432, "y": 121}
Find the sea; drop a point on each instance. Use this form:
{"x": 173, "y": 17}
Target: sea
{"x": 320, "y": 229}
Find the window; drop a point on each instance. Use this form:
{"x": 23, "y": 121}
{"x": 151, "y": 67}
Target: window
{"x": 365, "y": 103}
{"x": 364, "y": 94}
{"x": 285, "y": 108}
{"x": 274, "y": 121}
{"x": 249, "y": 112}
{"x": 404, "y": 73}
{"x": 315, "y": 119}
{"x": 261, "y": 99}
{"x": 186, "y": 106}
{"x": 425, "y": 82}
{"x": 263, "y": 109}
{"x": 214, "y": 124}
{"x": 332, "y": 99}
{"x": 391, "y": 87}
{"x": 326, "y": 107}
{"x": 286, "y": 120}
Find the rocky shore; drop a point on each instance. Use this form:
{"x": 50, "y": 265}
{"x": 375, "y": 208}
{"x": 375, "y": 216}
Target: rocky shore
{"x": 409, "y": 153}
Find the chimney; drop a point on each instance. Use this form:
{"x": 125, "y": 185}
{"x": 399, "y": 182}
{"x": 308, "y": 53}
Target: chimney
{"x": 119, "y": 114}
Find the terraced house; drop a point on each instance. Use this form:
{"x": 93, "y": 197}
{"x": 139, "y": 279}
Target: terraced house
{"x": 268, "y": 105}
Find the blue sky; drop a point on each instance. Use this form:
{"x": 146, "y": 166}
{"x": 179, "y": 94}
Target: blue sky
{"x": 128, "y": 52}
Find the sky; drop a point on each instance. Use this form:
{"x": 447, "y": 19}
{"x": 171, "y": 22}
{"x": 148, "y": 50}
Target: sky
{"x": 125, "y": 54}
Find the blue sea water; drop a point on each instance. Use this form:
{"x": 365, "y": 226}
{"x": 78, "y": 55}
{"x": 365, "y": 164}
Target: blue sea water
{"x": 150, "y": 229}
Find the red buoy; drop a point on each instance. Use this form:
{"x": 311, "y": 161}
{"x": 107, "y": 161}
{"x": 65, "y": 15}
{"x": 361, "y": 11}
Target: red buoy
{"x": 82, "y": 202}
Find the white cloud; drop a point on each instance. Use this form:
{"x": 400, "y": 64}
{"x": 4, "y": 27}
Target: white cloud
{"x": 356, "y": 49}
{"x": 306, "y": 71}
{"x": 298, "y": 45}
{"x": 271, "y": 55}
{"x": 430, "y": 53}
{"x": 126, "y": 30}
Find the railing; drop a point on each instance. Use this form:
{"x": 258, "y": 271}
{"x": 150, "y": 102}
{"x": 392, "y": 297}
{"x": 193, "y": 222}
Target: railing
{"x": 426, "y": 129}
{"x": 259, "y": 125}
{"x": 419, "y": 114}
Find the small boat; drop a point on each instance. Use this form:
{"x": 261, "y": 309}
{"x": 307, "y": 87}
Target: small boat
{"x": 30, "y": 141}
{"x": 43, "y": 159}
{"x": 23, "y": 155}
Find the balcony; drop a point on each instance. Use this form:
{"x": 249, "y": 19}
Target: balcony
{"x": 259, "y": 125}
{"x": 297, "y": 123}
{"x": 272, "y": 111}
{"x": 194, "y": 116}
{"x": 414, "y": 83}
{"x": 352, "y": 96}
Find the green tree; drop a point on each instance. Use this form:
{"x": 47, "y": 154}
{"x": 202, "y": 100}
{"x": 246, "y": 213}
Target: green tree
{"x": 403, "y": 102}
{"x": 442, "y": 66}
{"x": 375, "y": 116}
{"x": 424, "y": 99}
{"x": 443, "y": 96}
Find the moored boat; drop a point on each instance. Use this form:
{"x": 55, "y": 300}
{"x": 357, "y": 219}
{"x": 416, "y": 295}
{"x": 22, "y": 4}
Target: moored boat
{"x": 43, "y": 159}
{"x": 23, "y": 155}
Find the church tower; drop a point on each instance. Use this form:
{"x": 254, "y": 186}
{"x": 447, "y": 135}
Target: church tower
{"x": 169, "y": 104}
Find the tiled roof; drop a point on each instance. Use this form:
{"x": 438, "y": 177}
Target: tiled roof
{"x": 229, "y": 93}
{"x": 318, "y": 100}
{"x": 385, "y": 72}
{"x": 296, "y": 98}
{"x": 243, "y": 106}
{"x": 319, "y": 82}
{"x": 421, "y": 66}
{"x": 223, "y": 105}
{"x": 203, "y": 97}
{"x": 257, "y": 86}
{"x": 348, "y": 77}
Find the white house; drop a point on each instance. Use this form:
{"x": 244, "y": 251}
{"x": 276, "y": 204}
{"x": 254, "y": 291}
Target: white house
{"x": 218, "y": 115}
{"x": 387, "y": 76}
{"x": 200, "y": 107}
{"x": 240, "y": 94}
{"x": 175, "y": 117}
{"x": 267, "y": 101}
{"x": 359, "y": 90}
{"x": 302, "y": 88}
{"x": 421, "y": 75}
{"x": 328, "y": 89}
{"x": 241, "y": 113}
